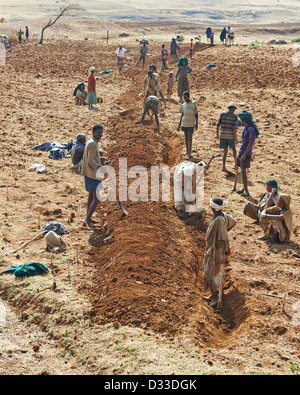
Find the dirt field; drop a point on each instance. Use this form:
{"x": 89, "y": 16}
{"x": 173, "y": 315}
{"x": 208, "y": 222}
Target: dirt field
{"x": 134, "y": 305}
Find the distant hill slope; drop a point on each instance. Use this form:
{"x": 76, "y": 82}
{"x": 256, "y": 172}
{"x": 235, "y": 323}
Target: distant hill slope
{"x": 196, "y": 11}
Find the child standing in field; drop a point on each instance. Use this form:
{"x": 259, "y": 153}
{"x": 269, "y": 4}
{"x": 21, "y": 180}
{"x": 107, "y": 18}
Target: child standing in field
{"x": 170, "y": 84}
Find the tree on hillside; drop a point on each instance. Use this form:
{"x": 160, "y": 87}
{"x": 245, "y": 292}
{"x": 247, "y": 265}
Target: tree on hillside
{"x": 63, "y": 10}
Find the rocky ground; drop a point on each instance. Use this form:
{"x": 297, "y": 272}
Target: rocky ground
{"x": 134, "y": 304}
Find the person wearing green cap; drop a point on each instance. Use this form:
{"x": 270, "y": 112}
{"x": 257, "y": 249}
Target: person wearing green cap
{"x": 208, "y": 34}
{"x": 277, "y": 221}
{"x": 267, "y": 199}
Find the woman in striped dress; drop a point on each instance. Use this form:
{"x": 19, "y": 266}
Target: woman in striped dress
{"x": 120, "y": 57}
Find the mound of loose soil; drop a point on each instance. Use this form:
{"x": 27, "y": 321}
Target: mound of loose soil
{"x": 144, "y": 269}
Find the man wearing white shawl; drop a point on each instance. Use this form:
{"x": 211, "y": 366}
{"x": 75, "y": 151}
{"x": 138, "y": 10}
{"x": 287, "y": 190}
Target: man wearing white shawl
{"x": 120, "y": 53}
{"x": 217, "y": 247}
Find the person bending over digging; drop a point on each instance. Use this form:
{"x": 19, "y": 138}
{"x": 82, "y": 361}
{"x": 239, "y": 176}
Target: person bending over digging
{"x": 151, "y": 103}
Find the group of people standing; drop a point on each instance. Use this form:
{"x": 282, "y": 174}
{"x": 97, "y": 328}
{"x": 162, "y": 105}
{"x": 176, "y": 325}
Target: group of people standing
{"x": 23, "y": 36}
{"x": 227, "y": 36}
{"x": 272, "y": 212}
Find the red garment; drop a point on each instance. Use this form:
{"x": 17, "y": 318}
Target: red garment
{"x": 91, "y": 83}
{"x": 164, "y": 54}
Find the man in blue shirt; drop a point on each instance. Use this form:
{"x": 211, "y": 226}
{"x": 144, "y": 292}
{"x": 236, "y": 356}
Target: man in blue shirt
{"x": 250, "y": 133}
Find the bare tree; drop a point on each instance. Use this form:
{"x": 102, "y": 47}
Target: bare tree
{"x": 63, "y": 10}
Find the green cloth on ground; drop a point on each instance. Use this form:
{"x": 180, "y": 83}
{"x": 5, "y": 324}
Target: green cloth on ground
{"x": 27, "y": 269}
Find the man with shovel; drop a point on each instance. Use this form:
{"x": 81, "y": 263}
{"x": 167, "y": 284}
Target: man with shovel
{"x": 92, "y": 160}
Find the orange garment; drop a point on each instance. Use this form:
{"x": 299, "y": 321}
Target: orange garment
{"x": 91, "y": 83}
{"x": 191, "y": 45}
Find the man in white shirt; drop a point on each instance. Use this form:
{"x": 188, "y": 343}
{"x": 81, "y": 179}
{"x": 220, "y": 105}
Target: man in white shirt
{"x": 188, "y": 120}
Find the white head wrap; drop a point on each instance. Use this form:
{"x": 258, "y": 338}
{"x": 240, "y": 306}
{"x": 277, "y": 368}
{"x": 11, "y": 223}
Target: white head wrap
{"x": 92, "y": 69}
{"x": 216, "y": 206}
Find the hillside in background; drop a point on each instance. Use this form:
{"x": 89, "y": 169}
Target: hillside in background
{"x": 221, "y": 12}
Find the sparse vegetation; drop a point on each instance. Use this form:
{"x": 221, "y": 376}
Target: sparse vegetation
{"x": 295, "y": 368}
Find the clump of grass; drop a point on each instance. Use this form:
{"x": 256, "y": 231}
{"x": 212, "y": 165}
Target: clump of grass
{"x": 257, "y": 44}
{"x": 295, "y": 368}
{"x": 296, "y": 40}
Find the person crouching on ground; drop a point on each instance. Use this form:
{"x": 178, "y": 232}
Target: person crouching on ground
{"x": 250, "y": 133}
{"x": 277, "y": 221}
{"x": 91, "y": 162}
{"x": 217, "y": 247}
{"x": 268, "y": 199}
{"x": 80, "y": 94}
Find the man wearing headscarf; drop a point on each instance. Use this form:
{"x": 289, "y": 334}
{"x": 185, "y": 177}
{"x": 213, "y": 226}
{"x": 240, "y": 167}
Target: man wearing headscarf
{"x": 120, "y": 53}
{"x": 182, "y": 75}
{"x": 80, "y": 94}
{"x": 250, "y": 133}
{"x": 92, "y": 96}
{"x": 268, "y": 199}
{"x": 217, "y": 247}
{"x": 277, "y": 221}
